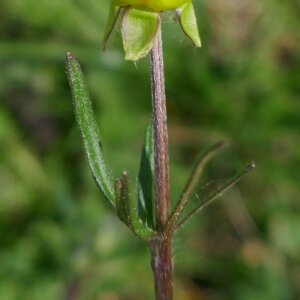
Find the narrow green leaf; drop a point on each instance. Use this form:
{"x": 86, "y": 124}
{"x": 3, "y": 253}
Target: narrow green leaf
{"x": 139, "y": 31}
{"x": 145, "y": 180}
{"x": 89, "y": 129}
{"x": 191, "y": 184}
{"x": 114, "y": 14}
{"x": 218, "y": 193}
{"x": 127, "y": 209}
{"x": 188, "y": 23}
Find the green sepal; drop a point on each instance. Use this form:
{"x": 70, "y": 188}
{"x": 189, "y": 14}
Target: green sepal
{"x": 145, "y": 180}
{"x": 127, "y": 209}
{"x": 139, "y": 31}
{"x": 89, "y": 129}
{"x": 114, "y": 14}
{"x": 188, "y": 22}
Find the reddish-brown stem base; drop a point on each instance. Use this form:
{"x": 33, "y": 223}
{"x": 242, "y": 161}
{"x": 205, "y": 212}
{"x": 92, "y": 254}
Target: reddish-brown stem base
{"x": 161, "y": 262}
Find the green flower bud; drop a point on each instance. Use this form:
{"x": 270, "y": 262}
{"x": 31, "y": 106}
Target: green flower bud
{"x": 141, "y": 21}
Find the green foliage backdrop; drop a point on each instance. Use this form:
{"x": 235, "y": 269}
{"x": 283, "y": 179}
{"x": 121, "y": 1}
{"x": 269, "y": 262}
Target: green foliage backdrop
{"x": 57, "y": 240}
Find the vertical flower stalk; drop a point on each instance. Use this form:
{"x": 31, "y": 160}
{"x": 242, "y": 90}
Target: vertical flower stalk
{"x": 160, "y": 246}
{"x": 160, "y": 130}
{"x": 161, "y": 263}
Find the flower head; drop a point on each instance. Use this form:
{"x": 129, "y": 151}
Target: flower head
{"x": 141, "y": 21}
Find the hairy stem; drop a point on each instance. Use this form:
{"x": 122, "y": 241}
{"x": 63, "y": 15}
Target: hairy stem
{"x": 161, "y": 262}
{"x": 159, "y": 118}
{"x": 160, "y": 246}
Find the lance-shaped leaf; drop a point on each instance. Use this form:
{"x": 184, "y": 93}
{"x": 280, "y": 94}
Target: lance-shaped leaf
{"x": 145, "y": 180}
{"x": 191, "y": 184}
{"x": 217, "y": 194}
{"x": 139, "y": 31}
{"x": 89, "y": 129}
{"x": 127, "y": 209}
{"x": 114, "y": 14}
{"x": 188, "y": 22}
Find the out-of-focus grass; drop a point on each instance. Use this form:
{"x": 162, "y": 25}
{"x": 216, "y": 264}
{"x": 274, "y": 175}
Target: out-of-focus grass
{"x": 57, "y": 238}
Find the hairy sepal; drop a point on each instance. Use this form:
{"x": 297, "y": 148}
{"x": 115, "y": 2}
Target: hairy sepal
{"x": 188, "y": 23}
{"x": 139, "y": 31}
{"x": 114, "y": 14}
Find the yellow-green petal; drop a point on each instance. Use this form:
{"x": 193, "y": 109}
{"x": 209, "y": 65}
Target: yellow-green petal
{"x": 152, "y": 5}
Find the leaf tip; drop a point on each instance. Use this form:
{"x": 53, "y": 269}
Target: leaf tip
{"x": 125, "y": 177}
{"x": 196, "y": 41}
{"x": 69, "y": 56}
{"x": 222, "y": 144}
{"x": 252, "y": 165}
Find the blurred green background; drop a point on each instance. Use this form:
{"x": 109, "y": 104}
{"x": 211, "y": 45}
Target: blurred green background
{"x": 58, "y": 240}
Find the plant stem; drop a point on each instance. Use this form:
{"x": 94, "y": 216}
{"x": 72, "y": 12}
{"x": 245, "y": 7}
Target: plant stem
{"x": 159, "y": 118}
{"x": 161, "y": 262}
{"x": 160, "y": 245}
